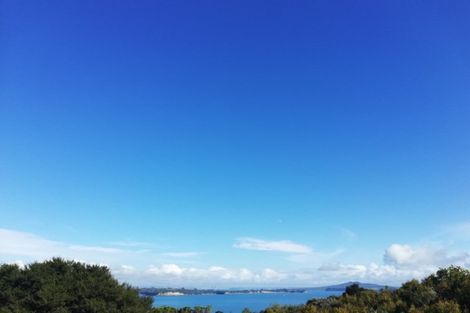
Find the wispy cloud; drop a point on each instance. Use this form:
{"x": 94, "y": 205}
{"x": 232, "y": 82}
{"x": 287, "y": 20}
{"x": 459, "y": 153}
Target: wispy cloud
{"x": 32, "y": 247}
{"x": 348, "y": 234}
{"x": 181, "y": 254}
{"x": 132, "y": 244}
{"x": 26, "y": 244}
{"x": 264, "y": 245}
{"x": 459, "y": 231}
{"x": 315, "y": 256}
{"x": 94, "y": 249}
{"x": 130, "y": 263}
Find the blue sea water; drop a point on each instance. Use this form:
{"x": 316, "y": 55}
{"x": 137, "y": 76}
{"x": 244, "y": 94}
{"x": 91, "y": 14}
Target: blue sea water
{"x": 235, "y": 303}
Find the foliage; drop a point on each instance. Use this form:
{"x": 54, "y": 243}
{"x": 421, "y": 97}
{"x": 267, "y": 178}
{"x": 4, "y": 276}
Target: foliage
{"x": 196, "y": 309}
{"x": 447, "y": 291}
{"x": 59, "y": 286}
{"x": 452, "y": 284}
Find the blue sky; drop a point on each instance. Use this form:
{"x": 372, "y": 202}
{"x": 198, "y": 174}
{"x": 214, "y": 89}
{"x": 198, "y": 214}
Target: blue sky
{"x": 244, "y": 143}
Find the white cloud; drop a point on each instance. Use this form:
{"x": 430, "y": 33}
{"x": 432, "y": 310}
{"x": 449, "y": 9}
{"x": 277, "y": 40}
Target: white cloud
{"x": 376, "y": 273}
{"x": 166, "y": 269}
{"x": 129, "y": 263}
{"x": 405, "y": 256}
{"x": 22, "y": 248}
{"x": 271, "y": 275}
{"x": 401, "y": 262}
{"x": 264, "y": 245}
{"x": 124, "y": 270}
{"x": 181, "y": 254}
{"x": 173, "y": 274}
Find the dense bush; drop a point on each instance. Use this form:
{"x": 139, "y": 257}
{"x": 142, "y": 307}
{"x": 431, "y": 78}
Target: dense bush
{"x": 59, "y": 286}
{"x": 196, "y": 309}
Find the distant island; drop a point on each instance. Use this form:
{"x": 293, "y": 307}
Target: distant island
{"x": 152, "y": 291}
{"x": 194, "y": 291}
{"x": 342, "y": 287}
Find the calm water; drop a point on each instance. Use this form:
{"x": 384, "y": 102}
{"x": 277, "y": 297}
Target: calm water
{"x": 237, "y": 302}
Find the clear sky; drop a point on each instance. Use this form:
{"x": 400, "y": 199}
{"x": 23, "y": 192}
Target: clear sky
{"x": 237, "y": 143}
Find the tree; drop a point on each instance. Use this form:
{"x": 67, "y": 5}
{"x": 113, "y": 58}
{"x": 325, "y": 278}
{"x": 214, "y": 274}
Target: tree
{"x": 413, "y": 293}
{"x": 453, "y": 284}
{"x": 59, "y": 286}
{"x": 353, "y": 289}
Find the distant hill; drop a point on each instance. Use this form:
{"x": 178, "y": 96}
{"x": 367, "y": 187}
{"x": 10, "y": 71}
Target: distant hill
{"x": 342, "y": 287}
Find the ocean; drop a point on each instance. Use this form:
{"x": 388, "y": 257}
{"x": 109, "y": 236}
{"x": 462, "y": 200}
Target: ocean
{"x": 235, "y": 303}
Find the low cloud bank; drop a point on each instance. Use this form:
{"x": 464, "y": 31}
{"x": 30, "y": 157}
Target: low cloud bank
{"x": 132, "y": 263}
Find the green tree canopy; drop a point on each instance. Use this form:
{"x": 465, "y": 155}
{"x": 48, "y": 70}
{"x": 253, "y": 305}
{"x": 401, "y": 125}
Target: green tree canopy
{"x": 59, "y": 286}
